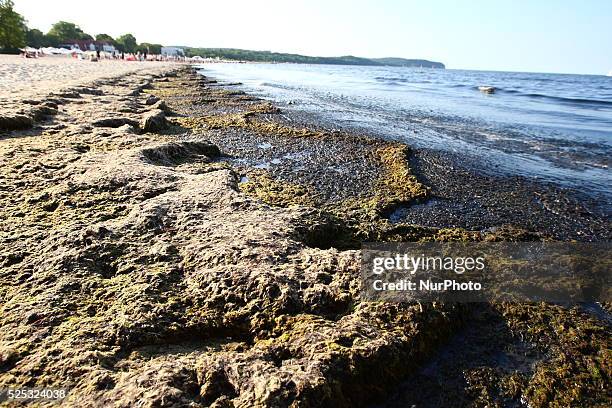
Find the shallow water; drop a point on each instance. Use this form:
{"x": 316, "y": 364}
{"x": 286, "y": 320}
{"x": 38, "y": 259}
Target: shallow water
{"x": 553, "y": 127}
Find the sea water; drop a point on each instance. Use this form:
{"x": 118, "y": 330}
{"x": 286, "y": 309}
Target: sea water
{"x": 553, "y": 127}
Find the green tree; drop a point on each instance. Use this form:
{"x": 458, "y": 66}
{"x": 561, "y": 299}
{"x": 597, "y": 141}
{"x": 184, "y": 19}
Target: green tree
{"x": 150, "y": 48}
{"x": 64, "y": 31}
{"x": 12, "y": 27}
{"x": 127, "y": 43}
{"x": 51, "y": 41}
{"x": 35, "y": 38}
{"x": 105, "y": 38}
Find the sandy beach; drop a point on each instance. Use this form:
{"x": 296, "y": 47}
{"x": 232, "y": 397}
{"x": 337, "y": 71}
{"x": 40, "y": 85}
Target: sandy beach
{"x": 155, "y": 251}
{"x": 36, "y": 76}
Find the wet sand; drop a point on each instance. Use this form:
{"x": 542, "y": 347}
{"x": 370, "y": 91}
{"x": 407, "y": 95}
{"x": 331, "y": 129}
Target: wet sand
{"x": 465, "y": 194}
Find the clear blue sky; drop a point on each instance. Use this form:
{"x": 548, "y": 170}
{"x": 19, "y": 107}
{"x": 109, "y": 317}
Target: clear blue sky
{"x": 570, "y": 36}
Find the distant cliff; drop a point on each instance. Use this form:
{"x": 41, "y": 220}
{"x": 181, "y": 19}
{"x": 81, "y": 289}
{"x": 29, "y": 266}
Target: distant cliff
{"x": 267, "y": 56}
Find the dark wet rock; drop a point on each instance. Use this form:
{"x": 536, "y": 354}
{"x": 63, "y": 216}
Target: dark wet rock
{"x": 114, "y": 122}
{"x": 487, "y": 89}
{"x": 135, "y": 92}
{"x": 151, "y": 100}
{"x": 174, "y": 153}
{"x": 51, "y": 103}
{"x": 88, "y": 91}
{"x": 141, "y": 87}
{"x": 54, "y": 102}
{"x": 15, "y": 122}
{"x": 68, "y": 94}
{"x": 43, "y": 111}
{"x": 154, "y": 121}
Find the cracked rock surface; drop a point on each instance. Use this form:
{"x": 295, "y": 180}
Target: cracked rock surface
{"x": 131, "y": 281}
{"x": 135, "y": 271}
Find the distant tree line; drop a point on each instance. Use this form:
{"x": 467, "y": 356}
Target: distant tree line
{"x": 15, "y": 34}
{"x": 12, "y": 26}
{"x": 267, "y": 56}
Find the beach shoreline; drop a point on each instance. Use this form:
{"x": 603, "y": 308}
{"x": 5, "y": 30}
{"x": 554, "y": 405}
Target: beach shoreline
{"x": 547, "y": 134}
{"x": 466, "y": 194}
{"x": 165, "y": 228}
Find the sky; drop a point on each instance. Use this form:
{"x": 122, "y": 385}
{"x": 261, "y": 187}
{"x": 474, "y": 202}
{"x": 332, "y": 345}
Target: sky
{"x": 562, "y": 36}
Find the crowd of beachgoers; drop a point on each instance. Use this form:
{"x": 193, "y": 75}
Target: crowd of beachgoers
{"x": 30, "y": 52}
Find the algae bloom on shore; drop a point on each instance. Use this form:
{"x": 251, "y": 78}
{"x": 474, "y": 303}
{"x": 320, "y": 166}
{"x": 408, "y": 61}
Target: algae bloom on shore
{"x": 148, "y": 258}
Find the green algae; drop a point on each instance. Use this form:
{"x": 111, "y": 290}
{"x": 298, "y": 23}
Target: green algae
{"x": 245, "y": 121}
{"x": 576, "y": 374}
{"x": 275, "y": 192}
{"x": 355, "y": 371}
{"x": 397, "y": 185}
{"x": 579, "y": 369}
{"x": 264, "y": 108}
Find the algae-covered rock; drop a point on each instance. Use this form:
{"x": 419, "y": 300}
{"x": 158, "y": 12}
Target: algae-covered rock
{"x": 259, "y": 184}
{"x": 175, "y": 153}
{"x": 154, "y": 121}
{"x": 151, "y": 100}
{"x": 161, "y": 105}
{"x": 132, "y": 279}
